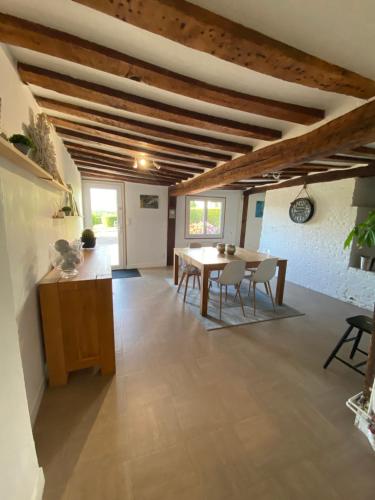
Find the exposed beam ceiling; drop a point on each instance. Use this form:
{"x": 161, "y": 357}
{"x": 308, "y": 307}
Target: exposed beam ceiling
{"x": 92, "y": 174}
{"x": 333, "y": 175}
{"x": 75, "y": 147}
{"x": 142, "y": 127}
{"x": 93, "y": 92}
{"x": 128, "y": 139}
{"x": 133, "y": 151}
{"x": 346, "y": 132}
{"x": 26, "y": 34}
{"x": 200, "y": 29}
{"x": 126, "y": 171}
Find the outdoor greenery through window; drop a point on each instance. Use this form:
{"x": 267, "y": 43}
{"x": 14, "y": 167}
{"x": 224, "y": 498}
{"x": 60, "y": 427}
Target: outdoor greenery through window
{"x": 204, "y": 217}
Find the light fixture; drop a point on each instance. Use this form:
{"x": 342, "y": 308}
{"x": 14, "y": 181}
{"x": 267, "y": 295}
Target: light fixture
{"x": 143, "y": 162}
{"x": 135, "y": 164}
{"x": 272, "y": 175}
{"x": 156, "y": 165}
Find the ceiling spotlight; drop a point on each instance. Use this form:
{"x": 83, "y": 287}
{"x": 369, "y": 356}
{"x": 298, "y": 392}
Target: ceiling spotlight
{"x": 135, "y": 164}
{"x": 156, "y": 165}
{"x": 143, "y": 162}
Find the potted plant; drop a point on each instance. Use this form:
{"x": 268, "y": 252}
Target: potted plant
{"x": 67, "y": 210}
{"x": 364, "y": 236}
{"x": 22, "y": 143}
{"x": 88, "y": 238}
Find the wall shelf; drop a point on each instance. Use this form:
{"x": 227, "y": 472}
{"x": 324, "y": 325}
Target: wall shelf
{"x": 8, "y": 151}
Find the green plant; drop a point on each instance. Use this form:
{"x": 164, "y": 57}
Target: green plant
{"x": 87, "y": 234}
{"x": 21, "y": 139}
{"x": 66, "y": 210}
{"x": 364, "y": 233}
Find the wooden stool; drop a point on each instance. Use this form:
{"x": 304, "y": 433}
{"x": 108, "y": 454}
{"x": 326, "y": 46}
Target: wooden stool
{"x": 363, "y": 324}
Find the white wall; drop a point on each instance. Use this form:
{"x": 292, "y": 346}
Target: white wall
{"x": 21, "y": 477}
{"x": 316, "y": 258}
{"x": 232, "y": 223}
{"x": 253, "y": 224}
{"x": 28, "y": 205}
{"x": 146, "y": 229}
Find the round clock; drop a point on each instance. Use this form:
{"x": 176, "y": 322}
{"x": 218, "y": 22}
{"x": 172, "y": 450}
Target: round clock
{"x": 301, "y": 210}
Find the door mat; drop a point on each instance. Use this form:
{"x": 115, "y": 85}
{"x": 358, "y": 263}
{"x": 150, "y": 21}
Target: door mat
{"x": 125, "y": 273}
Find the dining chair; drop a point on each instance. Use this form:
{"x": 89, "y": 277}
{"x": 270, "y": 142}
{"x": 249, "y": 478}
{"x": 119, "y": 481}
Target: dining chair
{"x": 263, "y": 274}
{"x": 189, "y": 270}
{"x": 232, "y": 274}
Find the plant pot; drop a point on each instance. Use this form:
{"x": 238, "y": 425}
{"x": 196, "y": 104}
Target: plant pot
{"x": 89, "y": 243}
{"x": 23, "y": 148}
{"x": 366, "y": 263}
{"x": 231, "y": 249}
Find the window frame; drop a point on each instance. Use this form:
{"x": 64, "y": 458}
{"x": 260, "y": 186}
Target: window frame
{"x": 205, "y": 199}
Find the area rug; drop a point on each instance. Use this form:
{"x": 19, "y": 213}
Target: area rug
{"x": 125, "y": 273}
{"x": 231, "y": 311}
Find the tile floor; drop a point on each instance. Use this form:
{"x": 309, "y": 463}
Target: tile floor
{"x": 234, "y": 414}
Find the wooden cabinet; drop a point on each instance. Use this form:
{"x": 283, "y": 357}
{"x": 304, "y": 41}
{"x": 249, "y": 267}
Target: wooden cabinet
{"x": 77, "y": 317}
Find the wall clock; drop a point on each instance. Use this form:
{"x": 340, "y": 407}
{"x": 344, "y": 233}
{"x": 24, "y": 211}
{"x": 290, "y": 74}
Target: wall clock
{"x": 301, "y": 210}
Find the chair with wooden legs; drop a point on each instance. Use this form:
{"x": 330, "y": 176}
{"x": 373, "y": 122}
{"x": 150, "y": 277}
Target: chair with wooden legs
{"x": 232, "y": 274}
{"x": 189, "y": 270}
{"x": 263, "y": 274}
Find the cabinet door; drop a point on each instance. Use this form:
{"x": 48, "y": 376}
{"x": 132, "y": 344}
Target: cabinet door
{"x": 78, "y": 303}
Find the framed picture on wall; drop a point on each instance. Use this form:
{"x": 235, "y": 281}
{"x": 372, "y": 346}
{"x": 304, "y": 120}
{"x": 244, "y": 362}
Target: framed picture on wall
{"x": 149, "y": 201}
{"x": 259, "y": 209}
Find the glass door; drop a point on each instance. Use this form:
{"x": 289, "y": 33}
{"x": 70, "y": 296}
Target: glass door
{"x": 104, "y": 213}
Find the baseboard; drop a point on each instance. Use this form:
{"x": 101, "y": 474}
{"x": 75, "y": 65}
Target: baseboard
{"x": 36, "y": 404}
{"x": 146, "y": 265}
{"x": 39, "y": 486}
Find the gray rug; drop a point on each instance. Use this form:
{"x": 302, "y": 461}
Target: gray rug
{"x": 232, "y": 312}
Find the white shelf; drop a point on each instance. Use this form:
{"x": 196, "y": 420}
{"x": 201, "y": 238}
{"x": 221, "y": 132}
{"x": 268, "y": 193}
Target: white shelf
{"x": 11, "y": 153}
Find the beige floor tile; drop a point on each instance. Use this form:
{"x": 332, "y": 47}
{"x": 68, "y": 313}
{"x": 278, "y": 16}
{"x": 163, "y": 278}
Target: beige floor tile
{"x": 235, "y": 414}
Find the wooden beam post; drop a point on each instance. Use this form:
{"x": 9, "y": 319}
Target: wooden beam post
{"x": 171, "y": 232}
{"x": 245, "y": 206}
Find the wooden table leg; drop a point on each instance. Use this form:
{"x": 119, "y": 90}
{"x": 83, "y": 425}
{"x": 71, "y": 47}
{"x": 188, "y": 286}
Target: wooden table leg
{"x": 176, "y": 265}
{"x": 280, "y": 282}
{"x": 204, "y": 290}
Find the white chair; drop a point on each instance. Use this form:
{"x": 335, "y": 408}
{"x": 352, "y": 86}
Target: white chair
{"x": 232, "y": 274}
{"x": 263, "y": 274}
{"x": 189, "y": 270}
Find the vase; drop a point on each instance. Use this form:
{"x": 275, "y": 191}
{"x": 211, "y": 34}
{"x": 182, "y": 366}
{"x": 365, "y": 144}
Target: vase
{"x": 221, "y": 247}
{"x": 231, "y": 249}
{"x": 66, "y": 257}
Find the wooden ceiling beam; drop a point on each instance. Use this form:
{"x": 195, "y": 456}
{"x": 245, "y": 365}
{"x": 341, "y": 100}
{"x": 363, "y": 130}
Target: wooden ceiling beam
{"x": 342, "y": 158}
{"x": 363, "y": 152}
{"x": 345, "y": 132}
{"x": 333, "y": 175}
{"x": 134, "y": 151}
{"x": 126, "y": 171}
{"x": 100, "y": 94}
{"x": 203, "y": 30}
{"x": 138, "y": 142}
{"x": 32, "y": 36}
{"x": 145, "y": 171}
{"x": 79, "y": 148}
{"x": 142, "y": 127}
{"x": 89, "y": 174}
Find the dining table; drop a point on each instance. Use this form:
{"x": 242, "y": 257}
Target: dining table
{"x": 208, "y": 259}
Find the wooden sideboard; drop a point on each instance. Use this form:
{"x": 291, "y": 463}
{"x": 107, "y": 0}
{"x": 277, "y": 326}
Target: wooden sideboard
{"x": 77, "y": 318}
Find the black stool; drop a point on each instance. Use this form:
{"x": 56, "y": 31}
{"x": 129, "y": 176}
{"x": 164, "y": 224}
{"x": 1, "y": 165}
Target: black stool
{"x": 363, "y": 324}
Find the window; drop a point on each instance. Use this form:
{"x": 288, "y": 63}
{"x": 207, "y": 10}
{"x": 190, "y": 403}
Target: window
{"x": 204, "y": 217}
